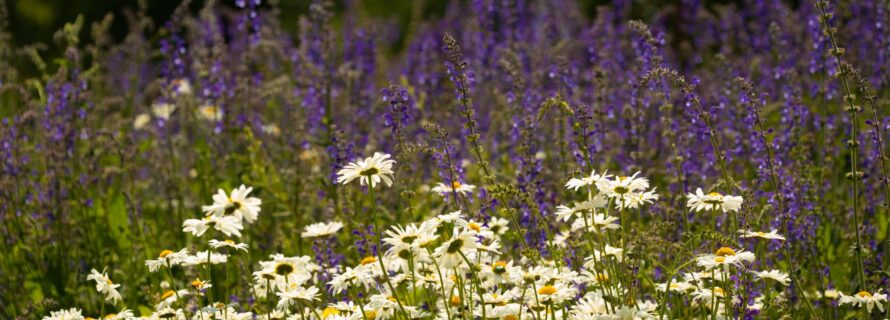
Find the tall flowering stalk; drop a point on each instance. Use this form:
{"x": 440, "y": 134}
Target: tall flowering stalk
{"x": 853, "y": 143}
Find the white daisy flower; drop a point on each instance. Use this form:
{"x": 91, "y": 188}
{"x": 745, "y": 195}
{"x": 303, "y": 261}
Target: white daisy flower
{"x": 237, "y": 203}
{"x": 125, "y": 314}
{"x": 774, "y": 275}
{"x": 678, "y": 286}
{"x": 449, "y": 253}
{"x": 596, "y": 223}
{"x": 229, "y": 225}
{"x": 371, "y": 170}
{"x": 202, "y": 257}
{"x": 351, "y": 277}
{"x": 772, "y": 235}
{"x": 456, "y": 186}
{"x": 588, "y": 181}
{"x": 141, "y": 120}
{"x": 105, "y": 286}
{"x": 216, "y": 244}
{"x": 864, "y": 298}
{"x": 70, "y": 314}
{"x": 167, "y": 257}
{"x": 713, "y": 201}
{"x": 210, "y": 112}
{"x": 321, "y": 229}
{"x": 565, "y": 213}
{"x": 163, "y": 110}
{"x": 181, "y": 87}
{"x": 725, "y": 257}
{"x": 499, "y": 226}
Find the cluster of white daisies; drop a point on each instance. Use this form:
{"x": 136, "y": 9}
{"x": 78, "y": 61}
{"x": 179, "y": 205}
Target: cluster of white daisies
{"x": 452, "y": 267}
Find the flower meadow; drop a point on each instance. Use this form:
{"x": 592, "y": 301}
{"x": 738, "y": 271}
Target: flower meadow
{"x": 495, "y": 159}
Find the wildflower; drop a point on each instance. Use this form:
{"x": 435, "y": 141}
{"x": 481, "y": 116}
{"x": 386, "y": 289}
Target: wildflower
{"x": 163, "y": 110}
{"x": 321, "y": 229}
{"x": 371, "y": 170}
{"x": 181, "y": 87}
{"x": 167, "y": 257}
{"x": 125, "y": 314}
{"x": 499, "y": 226}
{"x": 210, "y": 112}
{"x": 105, "y": 286}
{"x": 588, "y": 181}
{"x": 349, "y": 277}
{"x": 450, "y": 252}
{"x": 216, "y": 244}
{"x": 725, "y": 256}
{"x": 201, "y": 285}
{"x": 70, "y": 314}
{"x": 596, "y": 223}
{"x": 772, "y": 235}
{"x": 774, "y": 275}
{"x": 305, "y": 294}
{"x": 864, "y": 298}
{"x": 565, "y": 213}
{"x": 627, "y": 192}
{"x": 456, "y": 186}
{"x": 237, "y": 203}
{"x": 203, "y": 257}
{"x": 229, "y": 225}
{"x": 141, "y": 120}
{"x": 679, "y": 286}
{"x": 699, "y": 201}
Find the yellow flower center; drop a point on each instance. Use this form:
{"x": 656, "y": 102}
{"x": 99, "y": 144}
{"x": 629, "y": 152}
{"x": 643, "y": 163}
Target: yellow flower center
{"x": 229, "y": 242}
{"x": 715, "y": 194}
{"x": 509, "y": 317}
{"x": 474, "y": 226}
{"x": 499, "y": 267}
{"x": 622, "y": 178}
{"x": 719, "y": 259}
{"x": 547, "y": 290}
{"x": 725, "y": 251}
{"x": 165, "y": 253}
{"x": 197, "y": 283}
{"x": 760, "y": 234}
{"x": 368, "y": 260}
{"x": 718, "y": 291}
{"x": 864, "y": 294}
{"x": 602, "y": 277}
{"x": 370, "y": 314}
{"x": 455, "y": 300}
{"x": 455, "y": 184}
{"x": 329, "y": 311}
{"x": 167, "y": 294}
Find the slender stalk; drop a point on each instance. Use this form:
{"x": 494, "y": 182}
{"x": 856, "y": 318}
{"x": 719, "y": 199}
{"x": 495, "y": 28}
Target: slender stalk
{"x": 383, "y": 270}
{"x": 853, "y": 143}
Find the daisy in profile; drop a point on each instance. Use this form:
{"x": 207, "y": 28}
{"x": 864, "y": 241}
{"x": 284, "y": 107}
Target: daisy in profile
{"x": 588, "y": 181}
{"x": 203, "y": 257}
{"x": 864, "y": 298}
{"x": 229, "y": 225}
{"x": 372, "y": 170}
{"x": 294, "y": 294}
{"x": 775, "y": 275}
{"x": 713, "y": 201}
{"x": 237, "y": 203}
{"x": 166, "y": 258}
{"x": 456, "y": 186}
{"x": 216, "y": 244}
{"x": 70, "y": 314}
{"x": 725, "y": 257}
{"x": 772, "y": 235}
{"x": 105, "y": 286}
{"x": 565, "y": 213}
{"x": 596, "y": 223}
{"x": 321, "y": 229}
